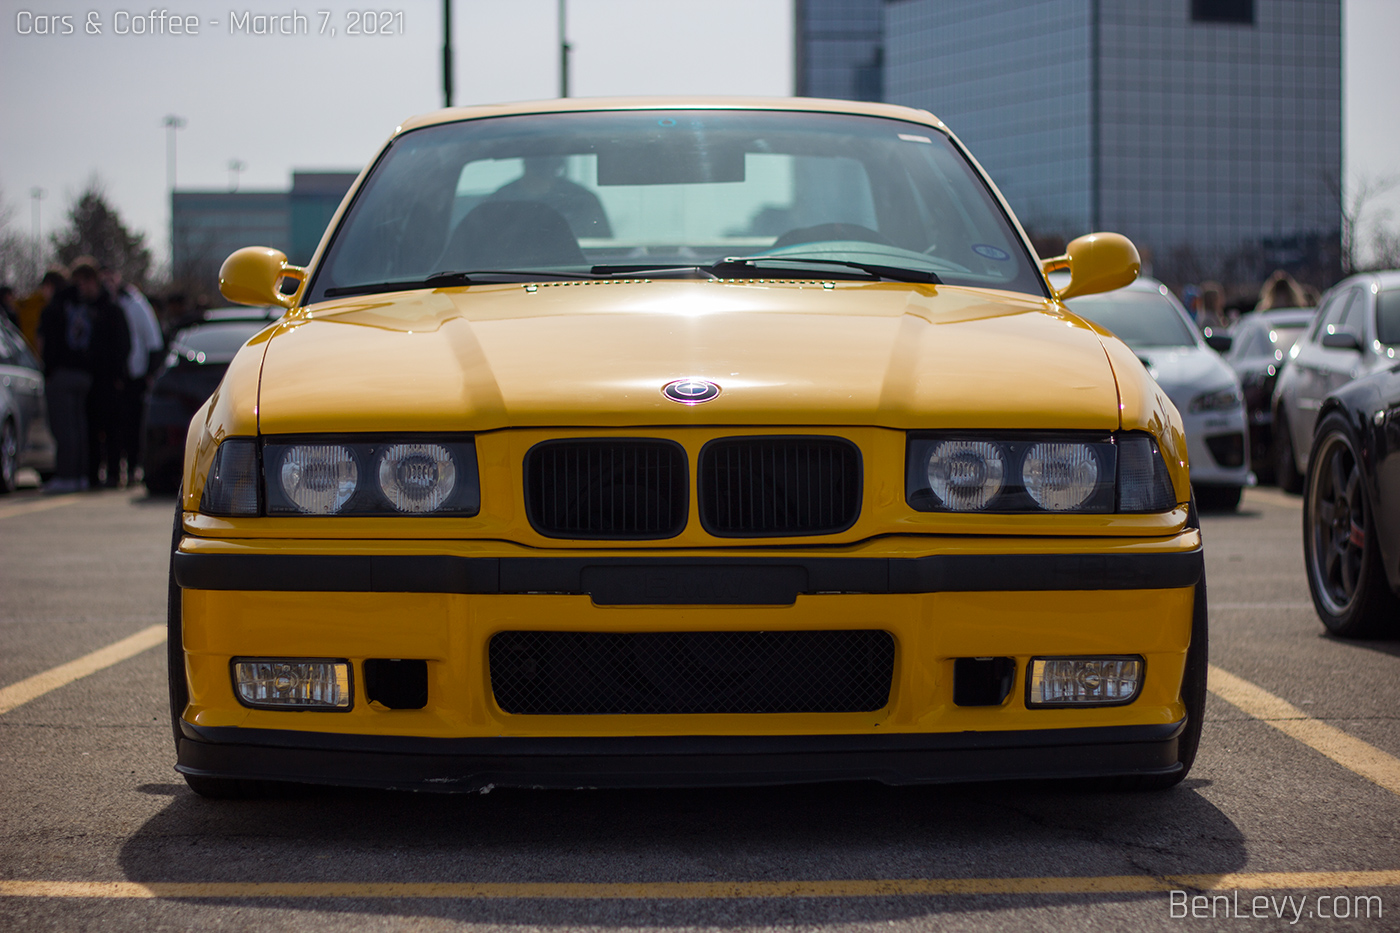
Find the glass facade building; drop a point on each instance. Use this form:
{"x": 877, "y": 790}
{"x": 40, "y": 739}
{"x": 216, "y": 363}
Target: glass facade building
{"x": 1207, "y": 131}
{"x": 209, "y": 225}
{"x": 840, "y": 49}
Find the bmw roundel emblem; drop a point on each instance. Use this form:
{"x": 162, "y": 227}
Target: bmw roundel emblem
{"x": 690, "y": 391}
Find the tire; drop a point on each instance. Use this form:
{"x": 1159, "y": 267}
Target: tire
{"x": 1340, "y": 551}
{"x": 9, "y": 456}
{"x": 213, "y": 788}
{"x": 1285, "y": 463}
{"x": 1219, "y": 498}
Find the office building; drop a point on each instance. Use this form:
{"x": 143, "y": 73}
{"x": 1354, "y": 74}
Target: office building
{"x": 1207, "y": 131}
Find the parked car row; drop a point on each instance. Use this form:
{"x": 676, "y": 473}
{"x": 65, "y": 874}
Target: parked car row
{"x": 1149, "y": 319}
{"x": 194, "y": 364}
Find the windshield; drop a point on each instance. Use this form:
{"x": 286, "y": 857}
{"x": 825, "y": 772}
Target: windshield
{"x": 560, "y": 194}
{"x": 1139, "y": 319}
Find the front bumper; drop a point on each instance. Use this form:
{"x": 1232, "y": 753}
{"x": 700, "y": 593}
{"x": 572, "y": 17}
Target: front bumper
{"x": 940, "y": 599}
{"x": 464, "y": 765}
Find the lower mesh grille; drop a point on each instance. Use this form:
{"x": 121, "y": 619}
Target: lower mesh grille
{"x": 609, "y": 488}
{"x": 750, "y": 486}
{"x": 575, "y": 673}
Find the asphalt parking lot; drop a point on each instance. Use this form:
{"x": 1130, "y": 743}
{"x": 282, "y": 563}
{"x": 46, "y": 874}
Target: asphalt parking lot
{"x": 1290, "y": 819}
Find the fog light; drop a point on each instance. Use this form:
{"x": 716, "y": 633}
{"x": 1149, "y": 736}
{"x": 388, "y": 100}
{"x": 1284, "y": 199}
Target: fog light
{"x": 1100, "y": 681}
{"x": 292, "y": 683}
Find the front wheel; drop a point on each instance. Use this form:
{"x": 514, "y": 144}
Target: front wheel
{"x": 1345, "y": 575}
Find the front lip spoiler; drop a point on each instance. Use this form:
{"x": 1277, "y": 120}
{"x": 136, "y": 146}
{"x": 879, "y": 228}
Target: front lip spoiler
{"x": 471, "y": 764}
{"x": 688, "y": 580}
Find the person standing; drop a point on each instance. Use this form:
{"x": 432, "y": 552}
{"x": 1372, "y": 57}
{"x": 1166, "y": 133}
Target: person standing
{"x": 146, "y": 346}
{"x": 111, "y": 342}
{"x": 66, "y": 337}
{"x": 31, "y": 308}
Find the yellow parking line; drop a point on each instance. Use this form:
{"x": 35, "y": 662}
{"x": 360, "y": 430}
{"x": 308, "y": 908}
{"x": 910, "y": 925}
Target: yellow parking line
{"x": 32, "y": 687}
{"x": 39, "y": 505}
{"x": 1346, "y": 750}
{"x": 707, "y": 890}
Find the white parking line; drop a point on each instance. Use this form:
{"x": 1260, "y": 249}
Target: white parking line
{"x": 1346, "y": 750}
{"x": 33, "y": 687}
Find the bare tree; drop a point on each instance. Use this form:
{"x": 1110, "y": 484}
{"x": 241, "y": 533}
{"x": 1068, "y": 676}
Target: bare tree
{"x": 1354, "y": 200}
{"x": 21, "y": 259}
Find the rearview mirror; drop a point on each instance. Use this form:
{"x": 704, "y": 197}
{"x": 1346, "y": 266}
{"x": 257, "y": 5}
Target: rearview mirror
{"x": 1098, "y": 262}
{"x": 1220, "y": 343}
{"x": 253, "y": 276}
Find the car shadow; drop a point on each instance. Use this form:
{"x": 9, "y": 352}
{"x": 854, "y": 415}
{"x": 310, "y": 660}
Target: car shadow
{"x": 1390, "y": 646}
{"x": 808, "y": 833}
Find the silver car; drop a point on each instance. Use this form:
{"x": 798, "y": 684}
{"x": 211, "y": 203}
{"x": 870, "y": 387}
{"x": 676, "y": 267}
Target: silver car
{"x": 1149, "y": 319}
{"x": 23, "y": 434}
{"x": 1356, "y": 333}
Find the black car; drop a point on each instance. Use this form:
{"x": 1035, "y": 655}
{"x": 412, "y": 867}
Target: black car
{"x": 1351, "y": 508}
{"x": 1259, "y": 347}
{"x": 198, "y": 356}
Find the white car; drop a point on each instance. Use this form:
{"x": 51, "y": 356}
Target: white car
{"x": 1149, "y": 319}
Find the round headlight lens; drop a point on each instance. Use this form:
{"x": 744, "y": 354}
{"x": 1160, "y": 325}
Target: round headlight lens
{"x": 417, "y": 477}
{"x": 319, "y": 479}
{"x": 966, "y": 475}
{"x": 1060, "y": 476}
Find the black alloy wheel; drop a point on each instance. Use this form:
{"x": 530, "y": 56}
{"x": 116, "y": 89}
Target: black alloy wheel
{"x": 9, "y": 456}
{"x": 1349, "y": 589}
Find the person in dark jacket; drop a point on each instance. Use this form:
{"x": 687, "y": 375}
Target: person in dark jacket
{"x": 85, "y": 342}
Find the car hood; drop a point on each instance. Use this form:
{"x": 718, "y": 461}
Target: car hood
{"x": 1185, "y": 372}
{"x": 599, "y": 353}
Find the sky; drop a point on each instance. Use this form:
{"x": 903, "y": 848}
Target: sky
{"x": 79, "y": 104}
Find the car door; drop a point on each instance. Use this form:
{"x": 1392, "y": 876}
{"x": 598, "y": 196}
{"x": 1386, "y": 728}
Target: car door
{"x": 19, "y": 373}
{"x": 1313, "y": 369}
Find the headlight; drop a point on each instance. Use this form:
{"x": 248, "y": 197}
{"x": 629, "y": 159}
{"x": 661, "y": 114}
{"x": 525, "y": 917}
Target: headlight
{"x": 319, "y": 478}
{"x": 1036, "y": 473}
{"x": 344, "y": 475}
{"x": 417, "y": 477}
{"x": 966, "y": 475}
{"x": 1223, "y": 400}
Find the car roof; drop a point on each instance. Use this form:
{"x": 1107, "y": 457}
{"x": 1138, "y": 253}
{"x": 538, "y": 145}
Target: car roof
{"x": 1297, "y": 317}
{"x": 586, "y": 104}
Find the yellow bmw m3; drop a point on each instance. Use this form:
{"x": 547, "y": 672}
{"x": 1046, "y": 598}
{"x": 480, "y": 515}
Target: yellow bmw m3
{"x": 682, "y": 442}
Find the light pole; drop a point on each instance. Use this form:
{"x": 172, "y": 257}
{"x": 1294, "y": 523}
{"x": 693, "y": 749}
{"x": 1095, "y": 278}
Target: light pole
{"x": 171, "y": 123}
{"x": 447, "y": 53}
{"x": 36, "y": 194}
{"x": 235, "y": 167}
{"x": 564, "y": 49}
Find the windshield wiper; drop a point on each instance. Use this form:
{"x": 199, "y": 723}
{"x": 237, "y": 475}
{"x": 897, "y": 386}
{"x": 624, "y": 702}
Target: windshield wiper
{"x": 688, "y": 270}
{"x": 894, "y": 273}
{"x": 452, "y": 279}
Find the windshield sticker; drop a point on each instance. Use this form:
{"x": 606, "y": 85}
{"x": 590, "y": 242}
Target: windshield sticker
{"x": 990, "y": 252}
{"x": 911, "y": 138}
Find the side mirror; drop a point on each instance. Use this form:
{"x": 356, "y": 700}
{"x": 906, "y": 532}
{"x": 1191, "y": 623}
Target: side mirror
{"x": 1098, "y": 262}
{"x": 1220, "y": 343}
{"x": 1342, "y": 341}
{"x": 253, "y": 276}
